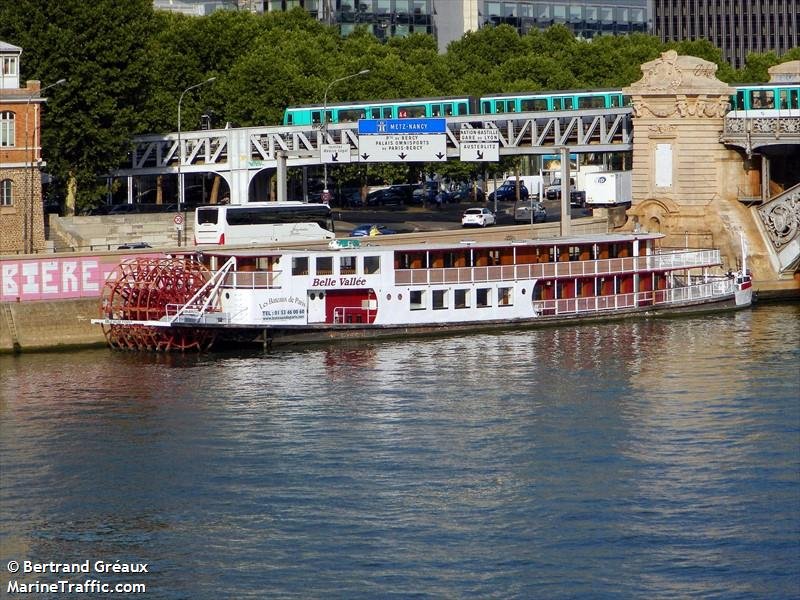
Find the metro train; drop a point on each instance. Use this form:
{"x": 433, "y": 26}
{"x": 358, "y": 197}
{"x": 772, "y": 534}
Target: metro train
{"x": 746, "y": 97}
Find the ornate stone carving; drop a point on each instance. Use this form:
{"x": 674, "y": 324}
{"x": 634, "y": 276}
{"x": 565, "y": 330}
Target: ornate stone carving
{"x": 782, "y": 219}
{"x": 679, "y": 74}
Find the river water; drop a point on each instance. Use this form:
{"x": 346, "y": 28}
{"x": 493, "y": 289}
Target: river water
{"x": 640, "y": 459}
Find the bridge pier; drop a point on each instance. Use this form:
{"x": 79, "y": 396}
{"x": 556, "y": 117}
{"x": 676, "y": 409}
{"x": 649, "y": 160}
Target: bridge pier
{"x": 686, "y": 183}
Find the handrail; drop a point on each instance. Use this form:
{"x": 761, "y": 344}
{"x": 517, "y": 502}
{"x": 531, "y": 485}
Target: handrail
{"x": 664, "y": 260}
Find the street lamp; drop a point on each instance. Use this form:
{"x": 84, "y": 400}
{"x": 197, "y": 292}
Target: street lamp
{"x": 27, "y": 225}
{"x": 324, "y": 125}
{"x": 180, "y": 148}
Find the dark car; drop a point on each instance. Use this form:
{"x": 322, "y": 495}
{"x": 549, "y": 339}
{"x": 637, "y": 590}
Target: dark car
{"x": 467, "y": 193}
{"x": 390, "y": 195}
{"x": 508, "y": 193}
{"x": 370, "y": 229}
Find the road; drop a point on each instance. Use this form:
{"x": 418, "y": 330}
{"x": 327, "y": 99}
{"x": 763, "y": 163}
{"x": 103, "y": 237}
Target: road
{"x": 417, "y": 218}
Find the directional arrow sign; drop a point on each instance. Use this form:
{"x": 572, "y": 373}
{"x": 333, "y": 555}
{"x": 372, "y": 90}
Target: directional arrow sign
{"x": 479, "y": 152}
{"x": 334, "y": 153}
{"x": 479, "y": 135}
{"x": 402, "y": 148}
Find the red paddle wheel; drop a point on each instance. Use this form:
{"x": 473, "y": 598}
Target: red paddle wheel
{"x": 146, "y": 289}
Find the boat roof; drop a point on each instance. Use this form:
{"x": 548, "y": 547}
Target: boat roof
{"x": 390, "y": 245}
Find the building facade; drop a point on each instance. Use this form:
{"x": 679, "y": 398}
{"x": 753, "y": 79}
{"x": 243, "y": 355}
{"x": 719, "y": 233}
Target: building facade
{"x": 21, "y": 210}
{"x": 737, "y": 27}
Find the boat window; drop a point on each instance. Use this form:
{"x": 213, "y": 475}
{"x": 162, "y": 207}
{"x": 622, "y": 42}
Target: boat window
{"x": 372, "y": 265}
{"x": 461, "y": 298}
{"x": 347, "y": 265}
{"x": 324, "y": 265}
{"x": 416, "y": 300}
{"x": 482, "y": 297}
{"x": 574, "y": 252}
{"x": 299, "y": 265}
{"x": 439, "y": 299}
{"x": 537, "y": 292}
{"x": 505, "y": 296}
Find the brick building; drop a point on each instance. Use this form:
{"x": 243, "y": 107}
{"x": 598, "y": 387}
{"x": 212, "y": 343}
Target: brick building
{"x": 21, "y": 213}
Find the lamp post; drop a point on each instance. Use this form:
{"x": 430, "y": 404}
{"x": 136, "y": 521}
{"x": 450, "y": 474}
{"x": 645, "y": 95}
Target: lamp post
{"x": 180, "y": 152}
{"x": 324, "y": 125}
{"x": 27, "y": 226}
{"x": 180, "y": 148}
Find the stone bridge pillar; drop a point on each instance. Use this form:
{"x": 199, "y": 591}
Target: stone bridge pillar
{"x": 679, "y": 165}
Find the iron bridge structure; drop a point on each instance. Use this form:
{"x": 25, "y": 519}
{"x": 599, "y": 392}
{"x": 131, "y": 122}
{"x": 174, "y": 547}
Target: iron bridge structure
{"x": 239, "y": 154}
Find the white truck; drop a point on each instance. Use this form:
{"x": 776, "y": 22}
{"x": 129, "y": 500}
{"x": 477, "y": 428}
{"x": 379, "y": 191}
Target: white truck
{"x": 608, "y": 188}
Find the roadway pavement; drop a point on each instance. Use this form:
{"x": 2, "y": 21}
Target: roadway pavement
{"x": 404, "y": 219}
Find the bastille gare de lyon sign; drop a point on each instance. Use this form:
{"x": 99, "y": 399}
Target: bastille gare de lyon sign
{"x": 412, "y": 140}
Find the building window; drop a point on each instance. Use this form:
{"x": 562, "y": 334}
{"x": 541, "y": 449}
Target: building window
{"x": 6, "y": 192}
{"x": 10, "y": 66}
{"x": 7, "y": 129}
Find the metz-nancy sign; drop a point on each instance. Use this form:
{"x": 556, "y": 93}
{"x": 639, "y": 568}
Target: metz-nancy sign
{"x": 402, "y": 140}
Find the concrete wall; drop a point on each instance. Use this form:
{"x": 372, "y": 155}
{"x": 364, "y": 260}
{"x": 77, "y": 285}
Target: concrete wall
{"x": 49, "y": 325}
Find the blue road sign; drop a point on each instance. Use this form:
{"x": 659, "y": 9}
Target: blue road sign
{"x": 394, "y": 126}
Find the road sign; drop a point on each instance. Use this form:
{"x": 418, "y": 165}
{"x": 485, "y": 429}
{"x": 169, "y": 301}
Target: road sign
{"x": 335, "y": 153}
{"x": 178, "y": 220}
{"x": 479, "y": 135}
{"x": 402, "y": 148}
{"x": 479, "y": 152}
{"x": 397, "y": 126}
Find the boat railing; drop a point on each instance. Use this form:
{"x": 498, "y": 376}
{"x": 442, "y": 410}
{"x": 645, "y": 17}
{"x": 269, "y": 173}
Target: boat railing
{"x": 669, "y": 260}
{"x": 708, "y": 289}
{"x": 352, "y": 314}
{"x": 251, "y": 279}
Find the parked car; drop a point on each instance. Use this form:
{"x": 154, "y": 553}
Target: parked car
{"x": 522, "y": 214}
{"x": 394, "y": 194}
{"x": 370, "y": 229}
{"x": 553, "y": 191}
{"x": 508, "y": 192}
{"x": 134, "y": 246}
{"x": 467, "y": 193}
{"x": 478, "y": 217}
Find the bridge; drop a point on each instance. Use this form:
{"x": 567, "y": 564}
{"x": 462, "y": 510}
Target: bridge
{"x": 239, "y": 154}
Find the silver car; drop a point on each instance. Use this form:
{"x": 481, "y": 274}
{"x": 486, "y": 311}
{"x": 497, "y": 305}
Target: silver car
{"x": 522, "y": 214}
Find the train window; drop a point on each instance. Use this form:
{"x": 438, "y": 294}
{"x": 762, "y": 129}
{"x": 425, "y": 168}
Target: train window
{"x": 591, "y": 102}
{"x": 450, "y": 109}
{"x": 563, "y": 103}
{"x": 614, "y": 100}
{"x": 411, "y": 111}
{"x": 486, "y": 107}
{"x": 436, "y": 110}
{"x": 794, "y": 98}
{"x": 289, "y": 118}
{"x": 316, "y": 116}
{"x": 738, "y": 103}
{"x": 350, "y": 115}
{"x": 511, "y": 106}
{"x": 762, "y": 99}
{"x": 534, "y": 104}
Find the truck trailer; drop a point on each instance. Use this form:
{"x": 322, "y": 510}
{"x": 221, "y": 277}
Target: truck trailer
{"x": 608, "y": 188}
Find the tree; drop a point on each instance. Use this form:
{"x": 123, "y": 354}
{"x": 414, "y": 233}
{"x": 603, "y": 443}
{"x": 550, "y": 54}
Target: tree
{"x": 99, "y": 47}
